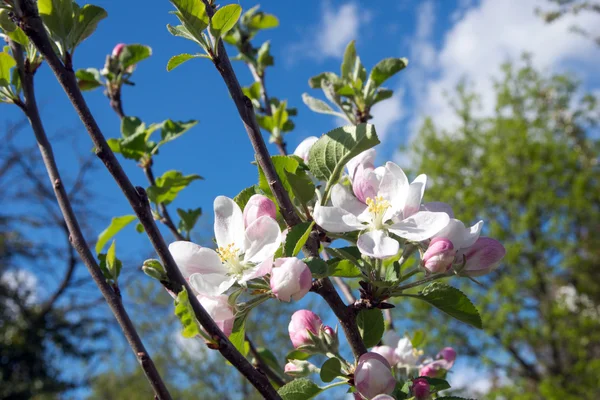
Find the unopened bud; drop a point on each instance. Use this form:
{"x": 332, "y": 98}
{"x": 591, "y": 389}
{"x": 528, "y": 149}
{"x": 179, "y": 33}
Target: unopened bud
{"x": 258, "y": 206}
{"x": 420, "y": 389}
{"x": 118, "y": 49}
{"x": 439, "y": 255}
{"x": 299, "y": 368}
{"x": 291, "y": 279}
{"x": 373, "y": 376}
{"x": 303, "y": 322}
{"x": 330, "y": 338}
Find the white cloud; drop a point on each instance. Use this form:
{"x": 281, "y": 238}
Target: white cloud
{"x": 483, "y": 38}
{"x": 387, "y": 114}
{"x": 24, "y": 283}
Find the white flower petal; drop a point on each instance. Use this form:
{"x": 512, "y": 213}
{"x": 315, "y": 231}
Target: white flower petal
{"x": 211, "y": 284}
{"x": 393, "y": 188}
{"x": 258, "y": 270}
{"x": 229, "y": 223}
{"x": 416, "y": 189}
{"x": 377, "y": 244}
{"x": 342, "y": 198}
{"x": 438, "y": 206}
{"x": 335, "y": 219}
{"x": 191, "y": 259}
{"x": 263, "y": 237}
{"x": 304, "y": 147}
{"x": 366, "y": 157}
{"x": 420, "y": 226}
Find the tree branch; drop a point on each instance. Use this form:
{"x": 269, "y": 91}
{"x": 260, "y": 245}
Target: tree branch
{"x": 262, "y": 366}
{"x": 33, "y": 27}
{"x": 323, "y": 286}
{"x": 75, "y": 234}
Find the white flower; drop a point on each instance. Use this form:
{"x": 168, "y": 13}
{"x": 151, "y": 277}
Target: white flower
{"x": 243, "y": 253}
{"x": 304, "y": 147}
{"x": 405, "y": 355}
{"x": 383, "y": 201}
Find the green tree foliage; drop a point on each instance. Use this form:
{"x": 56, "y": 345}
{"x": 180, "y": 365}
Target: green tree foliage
{"x": 531, "y": 171}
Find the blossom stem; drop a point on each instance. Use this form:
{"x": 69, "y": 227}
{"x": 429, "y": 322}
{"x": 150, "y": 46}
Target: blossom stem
{"x": 338, "y": 383}
{"x": 431, "y": 278}
{"x": 31, "y": 23}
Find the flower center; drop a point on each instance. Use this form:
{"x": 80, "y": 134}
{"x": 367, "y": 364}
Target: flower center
{"x": 230, "y": 256}
{"x": 377, "y": 206}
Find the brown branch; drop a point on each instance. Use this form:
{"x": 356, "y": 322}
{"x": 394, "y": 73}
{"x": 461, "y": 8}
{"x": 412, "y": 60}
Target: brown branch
{"x": 323, "y": 286}
{"x": 75, "y": 234}
{"x": 31, "y": 23}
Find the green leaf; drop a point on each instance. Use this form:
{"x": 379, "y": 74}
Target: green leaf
{"x": 133, "y": 54}
{"x": 116, "y": 224}
{"x": 451, "y": 301}
{"x": 343, "y": 268}
{"x": 139, "y": 228}
{"x": 238, "y": 334}
{"x": 332, "y": 151}
{"x": 6, "y": 63}
{"x": 349, "y": 60}
{"x": 282, "y": 164}
{"x": 371, "y": 326}
{"x": 171, "y": 130}
{"x": 225, "y": 19}
{"x": 319, "y": 106}
{"x": 269, "y": 358}
{"x": 382, "y": 94}
{"x": 301, "y": 184}
{"x": 386, "y": 68}
{"x": 169, "y": 185}
{"x": 317, "y": 81}
{"x": 242, "y": 198}
{"x": 437, "y": 384}
{"x": 88, "y": 79}
{"x": 297, "y": 355}
{"x": 179, "y": 59}
{"x": 299, "y": 389}
{"x": 183, "y": 311}
{"x": 85, "y": 23}
{"x": 418, "y": 338}
{"x": 181, "y": 31}
{"x": 131, "y": 126}
{"x": 296, "y": 238}
{"x": 261, "y": 20}
{"x": 330, "y": 369}
{"x": 112, "y": 262}
{"x": 192, "y": 14}
{"x": 6, "y": 22}
{"x": 263, "y": 56}
{"x": 188, "y": 218}
{"x": 318, "y": 267}
{"x": 110, "y": 273}
{"x": 57, "y": 16}
{"x": 19, "y": 36}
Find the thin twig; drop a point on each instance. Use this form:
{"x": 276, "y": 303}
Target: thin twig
{"x": 75, "y": 234}
{"x": 33, "y": 27}
{"x": 346, "y": 315}
{"x": 262, "y": 366}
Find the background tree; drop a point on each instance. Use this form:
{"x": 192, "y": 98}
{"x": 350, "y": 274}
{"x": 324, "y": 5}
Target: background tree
{"x": 531, "y": 171}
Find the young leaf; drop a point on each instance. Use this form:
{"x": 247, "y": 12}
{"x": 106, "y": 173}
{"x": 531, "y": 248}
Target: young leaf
{"x": 319, "y": 106}
{"x": 57, "y": 16}
{"x": 297, "y": 355}
{"x": 242, "y": 198}
{"x": 192, "y": 14}
{"x": 171, "y": 130}
{"x": 301, "y": 184}
{"x": 88, "y": 79}
{"x": 116, "y": 224}
{"x": 316, "y": 81}
{"x": 179, "y": 59}
{"x": 6, "y": 63}
{"x": 112, "y": 263}
{"x": 451, "y": 301}
{"x": 19, "y": 36}
{"x": 332, "y": 151}
{"x": 188, "y": 218}
{"x": 169, "y": 185}
{"x": 261, "y": 20}
{"x": 224, "y": 19}
{"x": 296, "y": 238}
{"x": 181, "y": 31}
{"x": 371, "y": 326}
{"x": 343, "y": 268}
{"x": 318, "y": 267}
{"x": 133, "y": 54}
{"x": 183, "y": 311}
{"x": 299, "y": 389}
{"x": 349, "y": 60}
{"x": 282, "y": 164}
{"x": 386, "y": 68}
{"x": 238, "y": 334}
{"x": 437, "y": 384}
{"x": 330, "y": 369}
{"x": 85, "y": 23}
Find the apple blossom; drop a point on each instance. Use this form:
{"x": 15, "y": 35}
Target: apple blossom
{"x": 220, "y": 311}
{"x": 299, "y": 368}
{"x": 420, "y": 389}
{"x": 258, "y": 206}
{"x": 482, "y": 257}
{"x": 118, "y": 49}
{"x": 304, "y": 147}
{"x": 387, "y": 352}
{"x": 290, "y": 279}
{"x": 435, "y": 369}
{"x": 243, "y": 253}
{"x": 302, "y": 322}
{"x": 373, "y": 376}
{"x": 439, "y": 255}
{"x": 448, "y": 354}
{"x": 382, "y": 202}
{"x": 406, "y": 353}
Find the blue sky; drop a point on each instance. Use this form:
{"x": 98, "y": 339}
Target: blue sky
{"x": 443, "y": 40}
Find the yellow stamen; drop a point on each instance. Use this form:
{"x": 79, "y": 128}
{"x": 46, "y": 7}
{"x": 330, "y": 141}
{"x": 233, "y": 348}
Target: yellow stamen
{"x": 378, "y": 205}
{"x": 228, "y": 253}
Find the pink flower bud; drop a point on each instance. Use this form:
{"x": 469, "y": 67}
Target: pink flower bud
{"x": 258, "y": 206}
{"x": 220, "y": 311}
{"x": 290, "y": 279}
{"x": 304, "y": 147}
{"x": 299, "y": 368}
{"x": 483, "y": 256}
{"x": 331, "y": 338}
{"x": 435, "y": 369}
{"x": 373, "y": 376}
{"x": 448, "y": 354}
{"x": 439, "y": 255}
{"x": 118, "y": 49}
{"x": 420, "y": 389}
{"x": 387, "y": 352}
{"x": 302, "y": 322}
